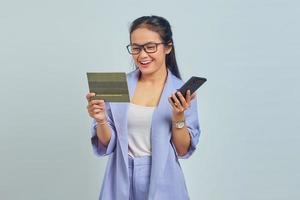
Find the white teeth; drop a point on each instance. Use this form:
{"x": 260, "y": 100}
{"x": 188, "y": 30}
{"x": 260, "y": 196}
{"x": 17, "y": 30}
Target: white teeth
{"x": 145, "y": 62}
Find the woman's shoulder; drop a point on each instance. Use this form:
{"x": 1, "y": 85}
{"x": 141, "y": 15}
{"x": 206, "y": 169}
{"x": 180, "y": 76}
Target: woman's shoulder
{"x": 132, "y": 73}
{"x": 176, "y": 81}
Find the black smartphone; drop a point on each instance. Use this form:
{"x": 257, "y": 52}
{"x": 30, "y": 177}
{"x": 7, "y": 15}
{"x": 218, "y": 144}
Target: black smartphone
{"x": 192, "y": 84}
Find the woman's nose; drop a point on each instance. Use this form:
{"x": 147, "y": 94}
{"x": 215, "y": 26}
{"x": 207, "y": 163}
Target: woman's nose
{"x": 143, "y": 53}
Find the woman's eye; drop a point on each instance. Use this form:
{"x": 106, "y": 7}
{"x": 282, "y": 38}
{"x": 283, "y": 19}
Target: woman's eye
{"x": 150, "y": 47}
{"x": 135, "y": 48}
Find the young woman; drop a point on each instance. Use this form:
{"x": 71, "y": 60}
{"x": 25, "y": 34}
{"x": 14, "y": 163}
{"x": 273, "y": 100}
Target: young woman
{"x": 146, "y": 137}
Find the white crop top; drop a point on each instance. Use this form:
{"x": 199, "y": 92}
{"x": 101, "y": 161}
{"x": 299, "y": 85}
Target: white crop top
{"x": 139, "y": 129}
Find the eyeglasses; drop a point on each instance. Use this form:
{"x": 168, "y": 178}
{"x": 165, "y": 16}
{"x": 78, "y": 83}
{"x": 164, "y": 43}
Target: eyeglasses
{"x": 150, "y": 47}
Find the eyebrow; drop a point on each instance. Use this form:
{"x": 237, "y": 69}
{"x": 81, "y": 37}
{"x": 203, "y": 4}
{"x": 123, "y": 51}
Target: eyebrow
{"x": 145, "y": 43}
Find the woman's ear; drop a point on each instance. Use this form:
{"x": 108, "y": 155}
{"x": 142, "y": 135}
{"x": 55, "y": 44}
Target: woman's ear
{"x": 169, "y": 47}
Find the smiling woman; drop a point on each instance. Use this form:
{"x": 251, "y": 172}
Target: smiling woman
{"x": 146, "y": 137}
{"x": 148, "y": 33}
{"x": 148, "y": 51}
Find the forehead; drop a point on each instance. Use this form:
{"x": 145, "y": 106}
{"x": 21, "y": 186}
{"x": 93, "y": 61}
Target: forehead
{"x": 144, "y": 35}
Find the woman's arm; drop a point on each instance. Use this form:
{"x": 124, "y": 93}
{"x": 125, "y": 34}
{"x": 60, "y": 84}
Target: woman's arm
{"x": 103, "y": 130}
{"x": 186, "y": 138}
{"x": 180, "y": 136}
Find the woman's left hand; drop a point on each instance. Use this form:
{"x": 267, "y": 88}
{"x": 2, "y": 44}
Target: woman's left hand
{"x": 182, "y": 104}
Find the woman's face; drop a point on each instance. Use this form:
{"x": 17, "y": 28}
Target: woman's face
{"x": 149, "y": 63}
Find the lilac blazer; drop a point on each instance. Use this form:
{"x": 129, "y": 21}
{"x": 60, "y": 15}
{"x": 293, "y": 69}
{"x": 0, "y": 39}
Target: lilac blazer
{"x": 166, "y": 180}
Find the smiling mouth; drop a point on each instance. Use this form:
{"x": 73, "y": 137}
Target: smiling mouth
{"x": 145, "y": 62}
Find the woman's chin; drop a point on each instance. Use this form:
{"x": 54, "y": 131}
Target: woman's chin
{"x": 144, "y": 69}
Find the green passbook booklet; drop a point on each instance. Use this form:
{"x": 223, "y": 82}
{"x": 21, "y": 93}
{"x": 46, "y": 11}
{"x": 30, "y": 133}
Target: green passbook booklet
{"x": 109, "y": 86}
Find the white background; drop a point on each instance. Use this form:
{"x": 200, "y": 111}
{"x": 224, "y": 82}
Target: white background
{"x": 249, "y": 108}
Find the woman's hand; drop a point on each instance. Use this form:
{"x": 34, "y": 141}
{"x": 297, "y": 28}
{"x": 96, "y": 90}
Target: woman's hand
{"x": 180, "y": 136}
{"x": 96, "y": 108}
{"x": 182, "y": 104}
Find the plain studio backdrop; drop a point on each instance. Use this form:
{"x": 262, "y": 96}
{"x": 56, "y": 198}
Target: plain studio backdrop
{"x": 248, "y": 109}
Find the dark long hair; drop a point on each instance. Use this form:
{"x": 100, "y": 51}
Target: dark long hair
{"x": 161, "y": 26}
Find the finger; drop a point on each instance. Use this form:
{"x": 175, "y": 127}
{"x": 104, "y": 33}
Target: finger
{"x": 96, "y": 111}
{"x": 172, "y": 102}
{"x": 175, "y": 109}
{"x": 89, "y": 96}
{"x": 90, "y": 110}
{"x": 182, "y": 99}
{"x": 97, "y": 102}
{"x": 90, "y": 107}
{"x": 96, "y": 106}
{"x": 177, "y": 104}
{"x": 188, "y": 97}
{"x": 176, "y": 100}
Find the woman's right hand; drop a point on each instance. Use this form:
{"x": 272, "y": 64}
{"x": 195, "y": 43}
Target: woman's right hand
{"x": 96, "y": 108}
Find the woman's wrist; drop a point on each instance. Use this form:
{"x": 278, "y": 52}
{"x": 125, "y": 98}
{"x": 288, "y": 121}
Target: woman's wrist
{"x": 101, "y": 121}
{"x": 178, "y": 116}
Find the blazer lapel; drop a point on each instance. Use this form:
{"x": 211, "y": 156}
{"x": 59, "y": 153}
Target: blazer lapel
{"x": 160, "y": 135}
{"x": 119, "y": 112}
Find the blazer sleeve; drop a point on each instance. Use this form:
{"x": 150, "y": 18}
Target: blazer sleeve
{"x": 192, "y": 123}
{"x": 98, "y": 148}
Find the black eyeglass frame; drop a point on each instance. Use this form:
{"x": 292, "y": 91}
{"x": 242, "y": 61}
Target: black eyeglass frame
{"x": 142, "y": 46}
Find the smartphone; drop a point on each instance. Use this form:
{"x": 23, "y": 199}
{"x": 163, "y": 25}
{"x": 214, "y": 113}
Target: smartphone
{"x": 192, "y": 84}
